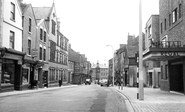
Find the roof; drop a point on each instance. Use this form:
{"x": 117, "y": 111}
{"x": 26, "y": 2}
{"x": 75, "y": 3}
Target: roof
{"x": 41, "y": 12}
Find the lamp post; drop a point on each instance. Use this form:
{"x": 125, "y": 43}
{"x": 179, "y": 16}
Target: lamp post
{"x": 141, "y": 90}
{"x": 112, "y": 65}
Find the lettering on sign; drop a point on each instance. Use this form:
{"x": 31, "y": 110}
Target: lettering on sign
{"x": 170, "y": 53}
{"x": 166, "y": 44}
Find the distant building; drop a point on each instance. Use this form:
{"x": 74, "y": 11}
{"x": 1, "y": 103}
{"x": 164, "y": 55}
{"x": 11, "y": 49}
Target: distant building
{"x": 99, "y": 71}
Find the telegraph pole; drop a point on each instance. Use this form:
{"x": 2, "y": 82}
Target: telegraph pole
{"x": 141, "y": 90}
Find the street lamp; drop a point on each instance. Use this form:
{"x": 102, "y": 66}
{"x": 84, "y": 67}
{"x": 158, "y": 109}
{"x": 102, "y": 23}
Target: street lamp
{"x": 112, "y": 64}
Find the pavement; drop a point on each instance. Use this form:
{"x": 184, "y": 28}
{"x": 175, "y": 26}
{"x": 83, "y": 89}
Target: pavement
{"x": 13, "y": 93}
{"x": 155, "y": 100}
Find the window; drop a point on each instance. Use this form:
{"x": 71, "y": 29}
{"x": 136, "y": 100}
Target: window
{"x": 169, "y": 19}
{"x": 53, "y": 27}
{"x": 57, "y": 56}
{"x": 8, "y": 72}
{"x": 44, "y": 36}
{"x": 25, "y": 75}
{"x": 44, "y": 55}
{"x": 12, "y": 36}
{"x": 164, "y": 41}
{"x": 166, "y": 72}
{"x": 164, "y": 24}
{"x": 161, "y": 28}
{"x": 29, "y": 47}
{"x": 180, "y": 10}
{"x": 40, "y": 53}
{"x": 40, "y": 34}
{"x": 12, "y": 12}
{"x": 58, "y": 40}
{"x": 149, "y": 30}
{"x": 29, "y": 24}
{"x": 174, "y": 16}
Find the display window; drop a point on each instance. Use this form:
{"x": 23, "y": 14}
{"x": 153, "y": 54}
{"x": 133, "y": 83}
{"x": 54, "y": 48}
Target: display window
{"x": 8, "y": 72}
{"x": 25, "y": 75}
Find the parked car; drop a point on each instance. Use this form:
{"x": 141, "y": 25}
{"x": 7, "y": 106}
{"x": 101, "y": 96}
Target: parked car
{"x": 87, "y": 81}
{"x": 104, "y": 82}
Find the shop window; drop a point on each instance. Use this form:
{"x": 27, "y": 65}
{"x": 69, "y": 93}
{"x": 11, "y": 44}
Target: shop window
{"x": 25, "y": 76}
{"x": 8, "y": 72}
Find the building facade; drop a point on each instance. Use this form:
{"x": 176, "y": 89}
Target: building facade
{"x": 11, "y": 46}
{"x": 153, "y": 67}
{"x": 57, "y": 46}
{"x": 169, "y": 47}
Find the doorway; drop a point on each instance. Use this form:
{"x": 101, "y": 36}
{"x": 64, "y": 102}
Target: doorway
{"x": 176, "y": 78}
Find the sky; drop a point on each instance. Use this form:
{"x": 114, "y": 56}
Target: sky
{"x": 91, "y": 25}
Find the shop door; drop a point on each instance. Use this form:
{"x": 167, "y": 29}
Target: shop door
{"x": 176, "y": 78}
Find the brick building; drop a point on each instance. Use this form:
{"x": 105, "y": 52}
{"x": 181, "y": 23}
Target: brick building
{"x": 153, "y": 67}
{"x": 170, "y": 47}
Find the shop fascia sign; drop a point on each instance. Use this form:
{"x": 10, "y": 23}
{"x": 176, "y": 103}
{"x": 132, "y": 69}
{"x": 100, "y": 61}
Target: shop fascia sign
{"x": 167, "y": 48}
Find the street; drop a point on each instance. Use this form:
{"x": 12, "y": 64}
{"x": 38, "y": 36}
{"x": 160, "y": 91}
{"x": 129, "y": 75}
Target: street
{"x": 82, "y": 98}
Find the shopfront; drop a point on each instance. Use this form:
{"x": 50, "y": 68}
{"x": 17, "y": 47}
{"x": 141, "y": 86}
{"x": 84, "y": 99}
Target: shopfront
{"x": 171, "y": 54}
{"x": 11, "y": 69}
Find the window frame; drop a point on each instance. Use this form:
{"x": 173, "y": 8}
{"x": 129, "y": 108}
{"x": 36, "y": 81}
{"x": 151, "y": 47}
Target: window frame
{"x": 174, "y": 15}
{"x": 41, "y": 33}
{"x": 44, "y": 36}
{"x": 29, "y": 47}
{"x": 40, "y": 53}
{"x": 12, "y": 11}
{"x": 29, "y": 25}
{"x": 12, "y": 40}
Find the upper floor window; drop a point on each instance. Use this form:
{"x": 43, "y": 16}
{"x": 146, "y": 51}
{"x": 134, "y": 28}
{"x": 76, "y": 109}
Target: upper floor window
{"x": 40, "y": 56}
{"x": 29, "y": 24}
{"x": 58, "y": 39}
{"x": 169, "y": 19}
{"x": 149, "y": 30}
{"x": 180, "y": 10}
{"x": 44, "y": 55}
{"x": 53, "y": 27}
{"x": 174, "y": 16}
{"x": 164, "y": 24}
{"x": 12, "y": 11}
{"x": 12, "y": 37}
{"x": 41, "y": 34}
{"x": 44, "y": 36}
{"x": 29, "y": 47}
{"x": 161, "y": 28}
